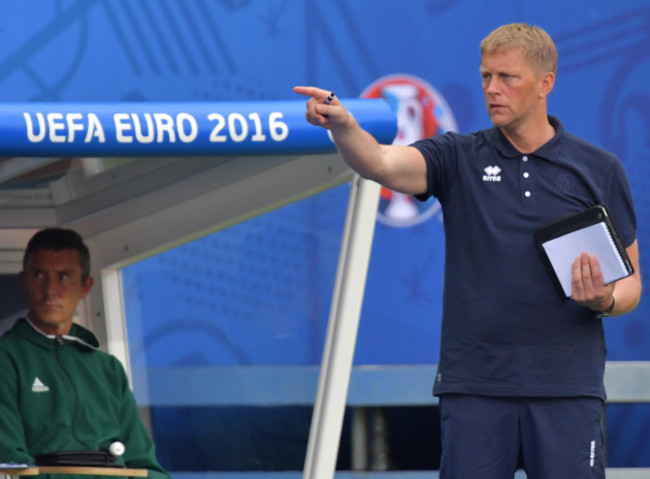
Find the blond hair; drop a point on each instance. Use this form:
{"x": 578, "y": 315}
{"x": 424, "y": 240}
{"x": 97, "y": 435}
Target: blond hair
{"x": 536, "y": 44}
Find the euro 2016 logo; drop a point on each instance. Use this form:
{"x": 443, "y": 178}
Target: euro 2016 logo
{"x": 421, "y": 112}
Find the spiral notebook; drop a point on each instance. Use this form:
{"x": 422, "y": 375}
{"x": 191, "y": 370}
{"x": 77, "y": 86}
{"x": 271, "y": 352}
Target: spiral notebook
{"x": 592, "y": 231}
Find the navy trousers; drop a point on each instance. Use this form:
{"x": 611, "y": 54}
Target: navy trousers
{"x": 550, "y": 438}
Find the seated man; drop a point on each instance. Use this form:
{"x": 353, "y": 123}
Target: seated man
{"x": 58, "y": 392}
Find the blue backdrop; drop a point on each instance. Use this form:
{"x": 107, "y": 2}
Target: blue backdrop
{"x": 236, "y": 50}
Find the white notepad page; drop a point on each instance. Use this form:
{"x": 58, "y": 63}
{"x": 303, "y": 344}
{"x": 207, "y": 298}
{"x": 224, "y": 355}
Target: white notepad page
{"x": 594, "y": 239}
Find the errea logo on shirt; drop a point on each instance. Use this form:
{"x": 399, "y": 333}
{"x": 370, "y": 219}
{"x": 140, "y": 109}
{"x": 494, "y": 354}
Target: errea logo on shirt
{"x": 38, "y": 386}
{"x": 492, "y": 173}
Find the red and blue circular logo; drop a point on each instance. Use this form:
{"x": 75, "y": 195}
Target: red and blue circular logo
{"x": 421, "y": 112}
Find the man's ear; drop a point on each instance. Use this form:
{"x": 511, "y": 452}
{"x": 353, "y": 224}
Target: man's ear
{"x": 87, "y": 286}
{"x": 547, "y": 83}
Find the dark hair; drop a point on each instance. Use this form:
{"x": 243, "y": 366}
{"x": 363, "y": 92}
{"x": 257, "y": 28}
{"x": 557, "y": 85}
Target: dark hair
{"x": 57, "y": 239}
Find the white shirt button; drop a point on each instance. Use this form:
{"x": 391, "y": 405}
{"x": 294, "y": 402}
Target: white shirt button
{"x": 527, "y": 194}
{"x": 525, "y": 158}
{"x": 526, "y": 175}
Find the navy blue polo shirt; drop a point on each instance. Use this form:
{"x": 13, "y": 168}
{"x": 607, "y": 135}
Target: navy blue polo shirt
{"x": 505, "y": 329}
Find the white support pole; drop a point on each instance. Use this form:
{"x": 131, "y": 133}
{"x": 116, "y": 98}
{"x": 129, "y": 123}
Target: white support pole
{"x": 114, "y": 316}
{"x": 336, "y": 365}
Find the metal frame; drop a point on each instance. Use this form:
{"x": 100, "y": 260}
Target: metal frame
{"x": 340, "y": 342}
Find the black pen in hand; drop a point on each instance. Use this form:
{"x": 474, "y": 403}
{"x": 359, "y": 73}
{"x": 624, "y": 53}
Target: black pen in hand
{"x": 329, "y": 99}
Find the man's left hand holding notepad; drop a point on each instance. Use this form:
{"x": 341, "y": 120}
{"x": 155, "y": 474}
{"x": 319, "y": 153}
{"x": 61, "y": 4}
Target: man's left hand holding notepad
{"x": 586, "y": 258}
{"x": 588, "y": 286}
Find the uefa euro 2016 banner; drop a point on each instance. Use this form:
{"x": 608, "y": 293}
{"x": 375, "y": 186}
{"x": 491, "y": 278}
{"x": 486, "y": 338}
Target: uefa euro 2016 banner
{"x": 164, "y": 129}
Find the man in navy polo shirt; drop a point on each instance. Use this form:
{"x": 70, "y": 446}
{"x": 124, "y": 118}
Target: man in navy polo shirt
{"x": 520, "y": 377}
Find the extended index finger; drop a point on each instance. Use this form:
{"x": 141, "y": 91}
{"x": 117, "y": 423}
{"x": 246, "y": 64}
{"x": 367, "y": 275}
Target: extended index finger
{"x": 310, "y": 91}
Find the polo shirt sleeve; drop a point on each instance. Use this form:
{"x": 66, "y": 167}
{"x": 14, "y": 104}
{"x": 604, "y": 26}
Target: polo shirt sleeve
{"x": 619, "y": 201}
{"x": 439, "y": 153}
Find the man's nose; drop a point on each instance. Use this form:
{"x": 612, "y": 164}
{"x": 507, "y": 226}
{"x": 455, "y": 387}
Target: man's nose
{"x": 492, "y": 85}
{"x": 49, "y": 285}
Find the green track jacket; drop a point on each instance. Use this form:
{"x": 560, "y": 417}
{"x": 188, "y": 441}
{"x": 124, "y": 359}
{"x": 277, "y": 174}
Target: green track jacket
{"x": 62, "y": 393}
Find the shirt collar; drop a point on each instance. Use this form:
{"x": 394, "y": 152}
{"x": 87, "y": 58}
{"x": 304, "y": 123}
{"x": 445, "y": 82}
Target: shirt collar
{"x": 548, "y": 150}
{"x": 88, "y": 339}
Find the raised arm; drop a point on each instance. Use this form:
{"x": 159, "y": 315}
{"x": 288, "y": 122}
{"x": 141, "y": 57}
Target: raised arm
{"x": 400, "y": 168}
